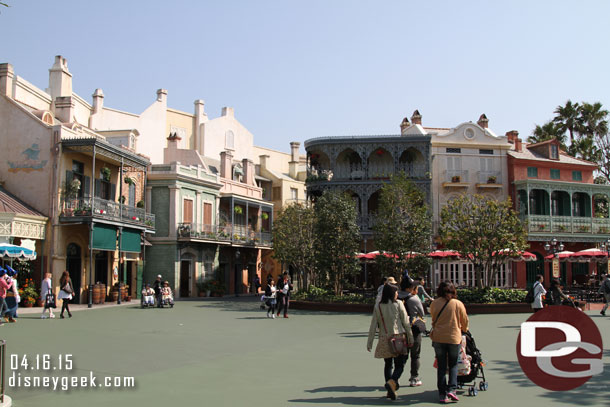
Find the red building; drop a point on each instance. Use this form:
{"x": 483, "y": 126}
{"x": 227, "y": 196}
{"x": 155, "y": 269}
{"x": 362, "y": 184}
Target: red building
{"x": 554, "y": 192}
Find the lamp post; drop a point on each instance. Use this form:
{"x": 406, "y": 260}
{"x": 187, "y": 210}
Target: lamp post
{"x": 237, "y": 282}
{"x": 554, "y": 247}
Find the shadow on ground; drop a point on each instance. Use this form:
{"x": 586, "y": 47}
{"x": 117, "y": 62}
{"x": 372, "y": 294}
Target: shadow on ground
{"x": 419, "y": 398}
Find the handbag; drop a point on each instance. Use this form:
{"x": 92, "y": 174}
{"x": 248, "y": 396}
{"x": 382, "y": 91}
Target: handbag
{"x": 49, "y": 301}
{"x": 67, "y": 289}
{"x": 398, "y": 342}
{"x": 418, "y": 326}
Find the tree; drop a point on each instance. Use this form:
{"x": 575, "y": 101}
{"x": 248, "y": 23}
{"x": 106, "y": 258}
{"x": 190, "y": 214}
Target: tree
{"x": 484, "y": 231}
{"x": 595, "y": 128}
{"x": 337, "y": 238}
{"x": 548, "y": 131}
{"x": 293, "y": 241}
{"x": 567, "y": 118}
{"x": 403, "y": 226}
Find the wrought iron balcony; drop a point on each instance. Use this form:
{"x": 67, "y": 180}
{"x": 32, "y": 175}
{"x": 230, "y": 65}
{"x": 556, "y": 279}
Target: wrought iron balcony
{"x": 77, "y": 210}
{"x": 571, "y": 225}
{"x": 236, "y": 235}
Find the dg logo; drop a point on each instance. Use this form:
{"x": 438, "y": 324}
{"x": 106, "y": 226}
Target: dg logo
{"x": 560, "y": 348}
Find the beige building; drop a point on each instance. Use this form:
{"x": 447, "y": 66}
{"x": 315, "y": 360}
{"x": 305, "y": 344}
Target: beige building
{"x": 89, "y": 184}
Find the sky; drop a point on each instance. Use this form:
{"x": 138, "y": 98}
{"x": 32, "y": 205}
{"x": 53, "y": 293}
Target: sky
{"x": 294, "y": 70}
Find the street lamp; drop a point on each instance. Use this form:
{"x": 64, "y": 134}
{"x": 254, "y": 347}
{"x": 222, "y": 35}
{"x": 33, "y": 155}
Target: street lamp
{"x": 237, "y": 256}
{"x": 554, "y": 247}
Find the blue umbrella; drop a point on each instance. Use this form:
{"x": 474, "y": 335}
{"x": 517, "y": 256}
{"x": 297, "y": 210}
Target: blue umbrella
{"x": 16, "y": 252}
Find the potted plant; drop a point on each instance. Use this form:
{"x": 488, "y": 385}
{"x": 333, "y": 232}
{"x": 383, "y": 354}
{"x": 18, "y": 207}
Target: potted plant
{"x": 491, "y": 179}
{"x": 122, "y": 199}
{"x": 265, "y": 216}
{"x": 456, "y": 178}
{"x": 562, "y": 228}
{"x": 106, "y": 173}
{"x": 238, "y": 210}
{"x": 129, "y": 181}
{"x": 140, "y": 204}
{"x": 540, "y": 227}
{"x": 28, "y": 293}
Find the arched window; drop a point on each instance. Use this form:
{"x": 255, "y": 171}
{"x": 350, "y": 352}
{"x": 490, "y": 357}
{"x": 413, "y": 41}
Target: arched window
{"x": 229, "y": 140}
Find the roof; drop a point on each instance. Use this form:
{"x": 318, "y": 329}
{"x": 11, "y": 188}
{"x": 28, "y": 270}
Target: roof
{"x": 564, "y": 158}
{"x": 9, "y": 203}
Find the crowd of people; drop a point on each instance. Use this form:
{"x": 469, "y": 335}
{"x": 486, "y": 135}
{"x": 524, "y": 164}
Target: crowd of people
{"x": 399, "y": 320}
{"x": 160, "y": 292}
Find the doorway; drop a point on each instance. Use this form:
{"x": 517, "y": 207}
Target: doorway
{"x": 185, "y": 278}
{"x": 73, "y": 266}
{"x": 101, "y": 268}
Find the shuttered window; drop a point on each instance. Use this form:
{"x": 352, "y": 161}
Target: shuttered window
{"x": 187, "y": 211}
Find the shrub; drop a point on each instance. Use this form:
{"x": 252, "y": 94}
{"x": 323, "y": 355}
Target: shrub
{"x": 490, "y": 295}
{"x": 316, "y": 294}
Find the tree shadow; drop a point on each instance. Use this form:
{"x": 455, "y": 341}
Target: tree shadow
{"x": 345, "y": 389}
{"x": 422, "y": 398}
{"x": 353, "y": 334}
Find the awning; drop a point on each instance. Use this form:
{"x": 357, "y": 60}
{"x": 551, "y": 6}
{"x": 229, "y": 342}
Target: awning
{"x": 131, "y": 241}
{"x": 104, "y": 237}
{"x": 16, "y": 252}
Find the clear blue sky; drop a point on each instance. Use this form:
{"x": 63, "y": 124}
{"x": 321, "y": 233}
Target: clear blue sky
{"x": 300, "y": 69}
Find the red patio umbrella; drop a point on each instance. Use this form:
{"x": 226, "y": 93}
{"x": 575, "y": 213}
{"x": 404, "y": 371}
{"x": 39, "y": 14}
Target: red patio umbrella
{"x": 589, "y": 255}
{"x": 566, "y": 254}
{"x": 443, "y": 254}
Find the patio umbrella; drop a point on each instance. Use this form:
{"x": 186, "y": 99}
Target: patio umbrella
{"x": 593, "y": 254}
{"x": 565, "y": 255}
{"x": 12, "y": 251}
{"x": 443, "y": 254}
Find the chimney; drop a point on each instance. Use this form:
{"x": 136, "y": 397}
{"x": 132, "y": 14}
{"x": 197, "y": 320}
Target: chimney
{"x": 200, "y": 117}
{"x": 162, "y": 95}
{"x": 248, "y": 166}
{"x": 404, "y": 126}
{"x": 518, "y": 144}
{"x": 294, "y": 151}
{"x": 64, "y": 109}
{"x": 512, "y": 136}
{"x": 60, "y": 79}
{"x": 227, "y": 111}
{"x": 98, "y": 100}
{"x": 172, "y": 141}
{"x": 416, "y": 118}
{"x": 226, "y": 164}
{"x": 483, "y": 121}
{"x": 7, "y": 74}
{"x": 263, "y": 160}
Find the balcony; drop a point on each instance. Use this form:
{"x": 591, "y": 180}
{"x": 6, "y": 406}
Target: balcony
{"x": 85, "y": 209}
{"x": 587, "y": 228}
{"x": 235, "y": 235}
{"x": 350, "y": 172}
{"x": 455, "y": 179}
{"x": 489, "y": 179}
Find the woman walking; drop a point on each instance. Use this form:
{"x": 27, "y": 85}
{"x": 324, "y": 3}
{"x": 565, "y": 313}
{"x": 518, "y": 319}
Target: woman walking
{"x": 539, "y": 292}
{"x": 45, "y": 289}
{"x": 270, "y": 292}
{"x": 65, "y": 293}
{"x": 390, "y": 318}
{"x": 449, "y": 321}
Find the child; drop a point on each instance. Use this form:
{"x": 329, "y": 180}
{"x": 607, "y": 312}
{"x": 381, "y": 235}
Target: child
{"x": 270, "y": 298}
{"x": 166, "y": 294}
{"x": 148, "y": 295}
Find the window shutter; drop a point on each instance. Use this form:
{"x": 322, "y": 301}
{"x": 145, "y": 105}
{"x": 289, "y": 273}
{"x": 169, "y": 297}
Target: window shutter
{"x": 207, "y": 213}
{"x": 69, "y": 176}
{"x": 98, "y": 188}
{"x": 112, "y": 192}
{"x": 87, "y": 187}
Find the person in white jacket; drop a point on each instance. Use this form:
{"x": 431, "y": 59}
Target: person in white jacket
{"x": 46, "y": 289}
{"x": 539, "y": 291}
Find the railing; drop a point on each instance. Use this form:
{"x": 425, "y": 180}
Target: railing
{"x": 456, "y": 176}
{"x": 345, "y": 171}
{"x": 366, "y": 222}
{"x": 490, "y": 177}
{"x": 567, "y": 224}
{"x": 104, "y": 209}
{"x": 237, "y": 234}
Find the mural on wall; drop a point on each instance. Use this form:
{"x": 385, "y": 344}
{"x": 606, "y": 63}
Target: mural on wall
{"x": 32, "y": 161}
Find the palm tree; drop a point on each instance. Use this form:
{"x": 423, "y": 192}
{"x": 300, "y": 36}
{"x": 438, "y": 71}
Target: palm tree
{"x": 547, "y": 131}
{"x": 568, "y": 118}
{"x": 594, "y": 119}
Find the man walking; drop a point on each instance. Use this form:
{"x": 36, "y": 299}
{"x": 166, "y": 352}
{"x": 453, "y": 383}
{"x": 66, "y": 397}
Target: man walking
{"x": 157, "y": 286}
{"x": 605, "y": 290}
{"x": 284, "y": 287}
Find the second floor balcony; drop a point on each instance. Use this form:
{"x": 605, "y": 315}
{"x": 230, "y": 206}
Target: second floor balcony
{"x": 86, "y": 209}
{"x": 230, "y": 234}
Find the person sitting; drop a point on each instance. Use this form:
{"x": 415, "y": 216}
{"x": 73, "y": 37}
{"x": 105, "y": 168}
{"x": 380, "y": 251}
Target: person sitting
{"x": 148, "y": 295}
{"x": 166, "y": 294}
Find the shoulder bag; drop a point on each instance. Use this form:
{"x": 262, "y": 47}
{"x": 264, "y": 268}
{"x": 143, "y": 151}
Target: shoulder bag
{"x": 67, "y": 288}
{"x": 49, "y": 301}
{"x": 437, "y": 317}
{"x": 398, "y": 342}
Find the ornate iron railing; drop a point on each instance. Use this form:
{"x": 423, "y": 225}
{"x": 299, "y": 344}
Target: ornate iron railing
{"x": 235, "y": 234}
{"x": 105, "y": 209}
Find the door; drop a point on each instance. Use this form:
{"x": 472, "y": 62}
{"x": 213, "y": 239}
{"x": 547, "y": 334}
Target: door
{"x": 128, "y": 279}
{"x": 185, "y": 278}
{"x": 533, "y": 268}
{"x": 239, "y": 278}
{"x": 251, "y": 275}
{"x": 101, "y": 267}
{"x": 73, "y": 266}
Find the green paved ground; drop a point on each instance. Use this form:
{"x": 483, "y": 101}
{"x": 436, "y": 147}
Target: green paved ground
{"x": 226, "y": 353}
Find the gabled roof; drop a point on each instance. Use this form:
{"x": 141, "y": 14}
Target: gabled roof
{"x": 9, "y": 203}
{"x": 564, "y": 158}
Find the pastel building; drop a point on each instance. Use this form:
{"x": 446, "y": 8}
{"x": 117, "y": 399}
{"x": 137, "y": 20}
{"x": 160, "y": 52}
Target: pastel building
{"x": 89, "y": 184}
{"x": 556, "y": 195}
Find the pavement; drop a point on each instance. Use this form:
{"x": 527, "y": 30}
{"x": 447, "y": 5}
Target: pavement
{"x": 225, "y": 352}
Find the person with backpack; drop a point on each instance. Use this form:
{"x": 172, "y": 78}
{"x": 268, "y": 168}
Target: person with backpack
{"x": 605, "y": 290}
{"x": 555, "y": 296}
{"x": 534, "y": 296}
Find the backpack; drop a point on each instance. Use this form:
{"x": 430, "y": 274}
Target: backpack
{"x": 529, "y": 297}
{"x": 549, "y": 298}
{"x": 606, "y": 287}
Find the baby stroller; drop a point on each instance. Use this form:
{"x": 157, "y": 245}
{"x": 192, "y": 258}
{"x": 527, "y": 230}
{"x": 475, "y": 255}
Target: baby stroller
{"x": 476, "y": 369}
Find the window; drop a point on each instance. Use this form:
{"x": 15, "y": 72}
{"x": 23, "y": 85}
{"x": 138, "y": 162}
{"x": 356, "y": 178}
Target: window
{"x": 132, "y": 194}
{"x": 454, "y": 150}
{"x": 555, "y": 173}
{"x": 294, "y": 193}
{"x": 207, "y": 213}
{"x": 187, "y": 211}
{"x": 229, "y": 140}
{"x": 485, "y": 151}
{"x": 554, "y": 152}
{"x": 576, "y": 176}
{"x": 532, "y": 172}
{"x": 78, "y": 172}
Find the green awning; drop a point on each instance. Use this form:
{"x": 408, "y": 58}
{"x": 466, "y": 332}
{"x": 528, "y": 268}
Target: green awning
{"x": 104, "y": 237}
{"x": 130, "y": 242}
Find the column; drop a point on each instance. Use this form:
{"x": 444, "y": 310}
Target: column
{"x": 173, "y": 210}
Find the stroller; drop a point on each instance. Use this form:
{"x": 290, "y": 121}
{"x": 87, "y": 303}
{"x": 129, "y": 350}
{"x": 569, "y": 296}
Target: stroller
{"x": 476, "y": 368}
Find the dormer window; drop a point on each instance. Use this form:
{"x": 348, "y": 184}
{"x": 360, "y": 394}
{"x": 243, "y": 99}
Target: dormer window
{"x": 554, "y": 152}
